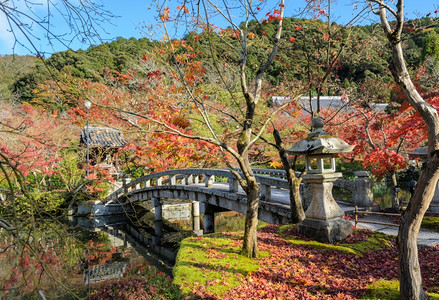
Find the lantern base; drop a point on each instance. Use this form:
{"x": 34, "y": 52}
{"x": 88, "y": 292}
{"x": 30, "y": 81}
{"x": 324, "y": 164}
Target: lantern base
{"x": 329, "y": 231}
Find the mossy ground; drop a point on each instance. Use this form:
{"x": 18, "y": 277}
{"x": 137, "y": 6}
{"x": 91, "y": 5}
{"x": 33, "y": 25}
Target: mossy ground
{"x": 213, "y": 261}
{"x": 374, "y": 241}
{"x": 388, "y": 289}
{"x": 213, "y": 264}
{"x": 431, "y": 223}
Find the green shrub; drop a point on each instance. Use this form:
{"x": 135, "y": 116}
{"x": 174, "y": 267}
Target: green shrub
{"x": 43, "y": 202}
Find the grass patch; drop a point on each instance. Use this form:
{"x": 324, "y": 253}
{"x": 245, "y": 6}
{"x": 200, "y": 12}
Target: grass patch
{"x": 213, "y": 262}
{"x": 383, "y": 289}
{"x": 319, "y": 245}
{"x": 388, "y": 289}
{"x": 372, "y": 241}
{"x": 211, "y": 267}
{"x": 231, "y": 221}
{"x": 431, "y": 223}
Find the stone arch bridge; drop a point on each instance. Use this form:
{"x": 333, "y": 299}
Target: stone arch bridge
{"x": 215, "y": 190}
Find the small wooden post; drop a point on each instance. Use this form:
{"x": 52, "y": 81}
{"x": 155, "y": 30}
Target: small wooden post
{"x": 356, "y": 216}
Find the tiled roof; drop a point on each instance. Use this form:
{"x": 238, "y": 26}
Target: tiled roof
{"x": 102, "y": 137}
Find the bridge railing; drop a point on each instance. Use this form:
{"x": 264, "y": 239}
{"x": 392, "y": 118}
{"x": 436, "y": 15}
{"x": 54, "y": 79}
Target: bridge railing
{"x": 267, "y": 179}
{"x": 361, "y": 187}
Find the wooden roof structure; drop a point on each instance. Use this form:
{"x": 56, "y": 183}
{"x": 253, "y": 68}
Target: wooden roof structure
{"x": 102, "y": 137}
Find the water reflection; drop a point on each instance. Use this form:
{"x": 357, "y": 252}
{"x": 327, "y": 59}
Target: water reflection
{"x": 158, "y": 247}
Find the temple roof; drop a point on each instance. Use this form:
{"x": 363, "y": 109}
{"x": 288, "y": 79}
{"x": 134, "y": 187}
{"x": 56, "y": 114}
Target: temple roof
{"x": 420, "y": 152}
{"x": 102, "y": 137}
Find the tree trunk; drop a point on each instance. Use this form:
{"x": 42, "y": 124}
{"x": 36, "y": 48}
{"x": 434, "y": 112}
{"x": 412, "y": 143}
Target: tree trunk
{"x": 297, "y": 212}
{"x": 250, "y": 243}
{"x": 410, "y": 272}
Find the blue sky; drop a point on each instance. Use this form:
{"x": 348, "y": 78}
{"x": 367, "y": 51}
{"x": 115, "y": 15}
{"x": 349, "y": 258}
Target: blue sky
{"x": 134, "y": 17}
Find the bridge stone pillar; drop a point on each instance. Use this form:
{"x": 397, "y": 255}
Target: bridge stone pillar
{"x": 265, "y": 192}
{"x": 158, "y": 221}
{"x": 209, "y": 180}
{"x": 189, "y": 179}
{"x": 196, "y": 218}
{"x": 233, "y": 185}
{"x": 209, "y": 218}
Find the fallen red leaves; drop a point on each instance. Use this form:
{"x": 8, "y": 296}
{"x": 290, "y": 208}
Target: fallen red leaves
{"x": 305, "y": 272}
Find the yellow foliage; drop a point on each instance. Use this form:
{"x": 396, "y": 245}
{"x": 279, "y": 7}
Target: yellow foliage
{"x": 275, "y": 164}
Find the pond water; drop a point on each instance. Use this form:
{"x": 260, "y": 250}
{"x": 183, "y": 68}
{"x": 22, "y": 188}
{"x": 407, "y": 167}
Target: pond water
{"x": 382, "y": 196}
{"x": 79, "y": 254}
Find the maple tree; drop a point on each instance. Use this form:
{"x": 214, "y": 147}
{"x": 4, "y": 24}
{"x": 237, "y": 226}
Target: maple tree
{"x": 148, "y": 148}
{"x": 238, "y": 105}
{"x": 319, "y": 77}
{"x": 24, "y": 140}
{"x": 35, "y": 145}
{"x": 382, "y": 139}
{"x": 42, "y": 169}
{"x": 251, "y": 124}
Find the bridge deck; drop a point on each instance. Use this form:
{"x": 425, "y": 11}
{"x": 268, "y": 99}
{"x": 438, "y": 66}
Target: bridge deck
{"x": 208, "y": 187}
{"x": 279, "y": 196}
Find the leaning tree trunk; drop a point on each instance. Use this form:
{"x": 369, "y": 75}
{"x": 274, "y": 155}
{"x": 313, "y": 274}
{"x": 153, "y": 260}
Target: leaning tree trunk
{"x": 297, "y": 212}
{"x": 251, "y": 187}
{"x": 410, "y": 273}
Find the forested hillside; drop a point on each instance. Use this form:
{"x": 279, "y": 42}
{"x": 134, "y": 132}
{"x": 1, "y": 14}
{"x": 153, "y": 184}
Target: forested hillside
{"x": 12, "y": 68}
{"x": 355, "y": 59}
{"x": 145, "y": 77}
{"x": 141, "y": 76}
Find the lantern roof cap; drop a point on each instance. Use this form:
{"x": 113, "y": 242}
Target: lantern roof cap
{"x": 420, "y": 152}
{"x": 319, "y": 141}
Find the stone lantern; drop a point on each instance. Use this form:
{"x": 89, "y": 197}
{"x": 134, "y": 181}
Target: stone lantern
{"x": 421, "y": 153}
{"x": 324, "y": 220}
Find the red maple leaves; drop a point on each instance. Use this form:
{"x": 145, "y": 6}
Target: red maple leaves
{"x": 293, "y": 271}
{"x": 382, "y": 140}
